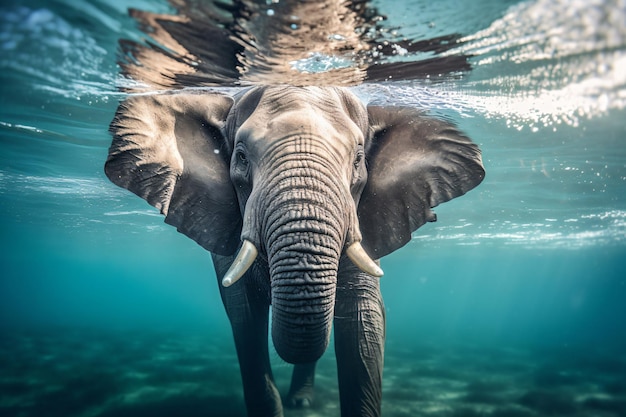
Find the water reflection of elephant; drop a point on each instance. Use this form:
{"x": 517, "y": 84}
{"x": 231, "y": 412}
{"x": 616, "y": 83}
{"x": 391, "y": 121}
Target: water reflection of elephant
{"x": 296, "y": 191}
{"x": 340, "y": 43}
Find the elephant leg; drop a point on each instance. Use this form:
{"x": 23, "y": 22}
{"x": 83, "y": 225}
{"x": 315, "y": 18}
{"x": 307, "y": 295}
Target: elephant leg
{"x": 301, "y": 390}
{"x": 359, "y": 342}
{"x": 247, "y": 307}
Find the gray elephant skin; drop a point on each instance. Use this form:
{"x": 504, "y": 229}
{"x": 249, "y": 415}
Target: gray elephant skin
{"x": 297, "y": 192}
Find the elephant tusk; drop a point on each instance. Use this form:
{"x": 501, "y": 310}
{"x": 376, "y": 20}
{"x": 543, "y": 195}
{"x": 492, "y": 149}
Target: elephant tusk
{"x": 357, "y": 254}
{"x": 246, "y": 256}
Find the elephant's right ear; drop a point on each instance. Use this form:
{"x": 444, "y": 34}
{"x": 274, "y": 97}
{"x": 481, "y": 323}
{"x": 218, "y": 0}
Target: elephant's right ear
{"x": 169, "y": 150}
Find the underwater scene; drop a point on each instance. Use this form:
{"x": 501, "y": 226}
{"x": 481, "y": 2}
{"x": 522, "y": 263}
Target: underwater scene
{"x": 511, "y": 304}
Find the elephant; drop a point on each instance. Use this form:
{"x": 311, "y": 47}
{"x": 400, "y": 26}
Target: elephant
{"x": 297, "y": 192}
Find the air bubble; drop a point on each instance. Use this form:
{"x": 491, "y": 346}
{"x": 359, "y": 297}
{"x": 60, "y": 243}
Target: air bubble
{"x": 336, "y": 37}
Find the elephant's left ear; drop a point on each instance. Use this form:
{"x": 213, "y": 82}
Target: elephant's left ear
{"x": 414, "y": 163}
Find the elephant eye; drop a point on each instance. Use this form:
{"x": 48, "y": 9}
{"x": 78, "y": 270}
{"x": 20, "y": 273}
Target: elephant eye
{"x": 358, "y": 158}
{"x": 241, "y": 157}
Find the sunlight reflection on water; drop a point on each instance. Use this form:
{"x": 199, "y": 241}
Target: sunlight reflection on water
{"x": 549, "y": 62}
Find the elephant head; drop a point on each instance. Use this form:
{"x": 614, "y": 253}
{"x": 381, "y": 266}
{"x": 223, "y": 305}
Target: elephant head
{"x": 294, "y": 177}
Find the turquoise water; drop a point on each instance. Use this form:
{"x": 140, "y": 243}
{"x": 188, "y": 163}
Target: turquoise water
{"x": 512, "y": 304}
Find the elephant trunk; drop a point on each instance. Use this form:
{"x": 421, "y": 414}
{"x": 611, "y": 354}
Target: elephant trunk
{"x": 303, "y": 270}
{"x": 304, "y": 227}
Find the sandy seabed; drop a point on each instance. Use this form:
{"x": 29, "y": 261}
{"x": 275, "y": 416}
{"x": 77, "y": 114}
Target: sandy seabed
{"x": 76, "y": 372}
